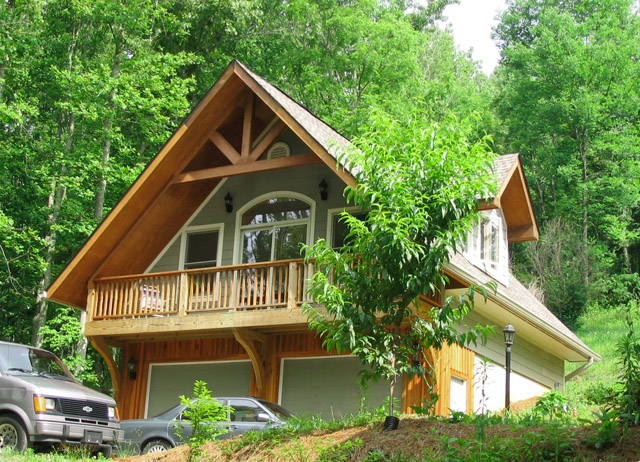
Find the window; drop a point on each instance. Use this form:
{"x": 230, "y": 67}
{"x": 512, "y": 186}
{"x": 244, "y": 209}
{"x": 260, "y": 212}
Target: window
{"x": 458, "y": 395}
{"x": 490, "y": 243}
{"x": 244, "y": 411}
{"x": 275, "y": 229}
{"x": 487, "y": 247}
{"x": 340, "y": 230}
{"x": 201, "y": 248}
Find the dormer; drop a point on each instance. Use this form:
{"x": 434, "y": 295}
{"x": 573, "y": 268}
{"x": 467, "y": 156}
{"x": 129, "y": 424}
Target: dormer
{"x": 487, "y": 247}
{"x": 505, "y": 219}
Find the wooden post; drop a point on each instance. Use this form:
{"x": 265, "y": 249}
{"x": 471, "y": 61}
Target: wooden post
{"x": 91, "y": 301}
{"x": 292, "y": 286}
{"x": 183, "y": 298}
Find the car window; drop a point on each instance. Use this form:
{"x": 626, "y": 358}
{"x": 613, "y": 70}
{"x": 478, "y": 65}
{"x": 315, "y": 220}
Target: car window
{"x": 183, "y": 416}
{"x": 277, "y": 410}
{"x": 244, "y": 410}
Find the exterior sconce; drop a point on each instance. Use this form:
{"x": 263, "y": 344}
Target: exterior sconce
{"x": 228, "y": 203}
{"x": 131, "y": 367}
{"x": 324, "y": 190}
{"x": 509, "y": 334}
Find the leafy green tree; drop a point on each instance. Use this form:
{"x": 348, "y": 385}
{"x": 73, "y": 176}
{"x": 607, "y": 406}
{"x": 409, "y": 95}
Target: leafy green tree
{"x": 568, "y": 97}
{"x": 420, "y": 183}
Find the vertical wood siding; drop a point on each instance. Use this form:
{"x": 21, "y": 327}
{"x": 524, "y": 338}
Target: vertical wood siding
{"x": 131, "y": 400}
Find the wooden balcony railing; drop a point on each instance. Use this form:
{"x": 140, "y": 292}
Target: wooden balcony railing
{"x": 279, "y": 284}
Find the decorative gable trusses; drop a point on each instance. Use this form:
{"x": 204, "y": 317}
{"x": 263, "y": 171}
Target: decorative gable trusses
{"x": 228, "y": 134}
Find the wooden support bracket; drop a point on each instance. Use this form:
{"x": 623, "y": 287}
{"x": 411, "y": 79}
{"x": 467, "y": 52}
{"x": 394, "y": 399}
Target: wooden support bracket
{"x": 255, "y": 344}
{"x": 101, "y": 347}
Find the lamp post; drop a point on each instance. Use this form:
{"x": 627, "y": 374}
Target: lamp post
{"x": 509, "y": 334}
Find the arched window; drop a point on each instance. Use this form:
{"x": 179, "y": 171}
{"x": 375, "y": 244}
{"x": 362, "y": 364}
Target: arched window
{"x": 274, "y": 229}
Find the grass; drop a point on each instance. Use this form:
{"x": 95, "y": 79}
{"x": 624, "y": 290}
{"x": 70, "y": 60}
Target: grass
{"x": 70, "y": 454}
{"x": 601, "y": 329}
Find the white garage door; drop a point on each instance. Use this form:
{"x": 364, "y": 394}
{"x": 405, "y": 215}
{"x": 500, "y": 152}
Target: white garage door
{"x": 168, "y": 381}
{"x": 328, "y": 386}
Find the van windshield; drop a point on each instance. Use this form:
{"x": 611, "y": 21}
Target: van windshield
{"x": 24, "y": 360}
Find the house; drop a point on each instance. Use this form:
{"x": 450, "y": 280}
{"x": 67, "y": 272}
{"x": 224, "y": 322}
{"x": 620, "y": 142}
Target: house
{"x": 196, "y": 272}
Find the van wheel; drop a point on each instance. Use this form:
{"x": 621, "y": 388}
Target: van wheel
{"x": 12, "y": 434}
{"x": 156, "y": 446}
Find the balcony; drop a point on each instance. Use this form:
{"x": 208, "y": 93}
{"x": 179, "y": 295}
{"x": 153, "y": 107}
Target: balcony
{"x": 260, "y": 295}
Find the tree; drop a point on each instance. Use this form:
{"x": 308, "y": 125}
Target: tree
{"x": 420, "y": 184}
{"x": 568, "y": 97}
{"x": 203, "y": 413}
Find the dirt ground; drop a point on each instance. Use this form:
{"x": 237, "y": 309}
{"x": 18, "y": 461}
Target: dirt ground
{"x": 414, "y": 437}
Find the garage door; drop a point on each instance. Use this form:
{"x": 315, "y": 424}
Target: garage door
{"x": 328, "y": 386}
{"x": 168, "y": 381}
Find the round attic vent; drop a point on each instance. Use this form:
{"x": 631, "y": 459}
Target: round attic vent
{"x": 279, "y": 149}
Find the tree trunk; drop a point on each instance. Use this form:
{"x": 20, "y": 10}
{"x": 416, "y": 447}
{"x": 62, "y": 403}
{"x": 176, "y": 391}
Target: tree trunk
{"x": 106, "y": 144}
{"x": 392, "y": 386}
{"x": 583, "y": 143}
{"x": 57, "y": 195}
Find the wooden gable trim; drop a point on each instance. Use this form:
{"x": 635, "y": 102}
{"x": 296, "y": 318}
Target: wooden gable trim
{"x": 517, "y": 232}
{"x": 293, "y": 124}
{"x": 225, "y": 147}
{"x": 269, "y": 138}
{"x": 246, "y": 126}
{"x": 70, "y": 287}
{"x": 243, "y": 168}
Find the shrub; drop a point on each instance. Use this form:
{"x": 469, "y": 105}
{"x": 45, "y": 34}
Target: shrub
{"x": 203, "y": 412}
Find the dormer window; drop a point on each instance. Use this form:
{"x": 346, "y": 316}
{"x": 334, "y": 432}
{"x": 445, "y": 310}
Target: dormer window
{"x": 487, "y": 247}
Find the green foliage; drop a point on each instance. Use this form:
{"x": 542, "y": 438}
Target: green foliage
{"x": 61, "y": 333}
{"x": 606, "y": 428}
{"x": 568, "y": 99}
{"x": 552, "y": 404}
{"x": 21, "y": 264}
{"x": 203, "y": 412}
{"x": 420, "y": 183}
{"x": 341, "y": 452}
{"x": 629, "y": 360}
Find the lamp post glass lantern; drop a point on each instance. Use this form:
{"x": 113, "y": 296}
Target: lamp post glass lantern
{"x": 509, "y": 334}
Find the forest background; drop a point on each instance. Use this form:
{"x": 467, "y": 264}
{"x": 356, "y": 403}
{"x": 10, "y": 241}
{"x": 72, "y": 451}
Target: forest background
{"x": 91, "y": 89}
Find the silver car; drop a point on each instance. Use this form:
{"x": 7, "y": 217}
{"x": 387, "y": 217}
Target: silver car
{"x": 159, "y": 433}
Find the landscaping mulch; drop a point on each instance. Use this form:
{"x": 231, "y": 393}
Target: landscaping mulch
{"x": 419, "y": 438}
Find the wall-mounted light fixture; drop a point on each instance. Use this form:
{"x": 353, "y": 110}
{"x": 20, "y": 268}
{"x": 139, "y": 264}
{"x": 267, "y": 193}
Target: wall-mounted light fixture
{"x": 228, "y": 203}
{"x": 324, "y": 190}
{"x": 131, "y": 367}
{"x": 509, "y": 333}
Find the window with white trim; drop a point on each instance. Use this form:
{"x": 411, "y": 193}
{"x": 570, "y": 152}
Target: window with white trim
{"x": 275, "y": 229}
{"x": 487, "y": 246}
{"x": 201, "y": 248}
{"x": 339, "y": 232}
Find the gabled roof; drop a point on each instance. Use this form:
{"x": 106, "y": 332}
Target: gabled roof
{"x": 514, "y": 199}
{"x": 226, "y": 135}
{"x": 205, "y": 148}
{"x": 325, "y": 135}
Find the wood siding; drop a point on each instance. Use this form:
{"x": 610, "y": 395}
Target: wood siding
{"x": 132, "y": 396}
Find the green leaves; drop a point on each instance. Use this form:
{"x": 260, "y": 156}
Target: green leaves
{"x": 203, "y": 412}
{"x": 420, "y": 183}
{"x": 569, "y": 96}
